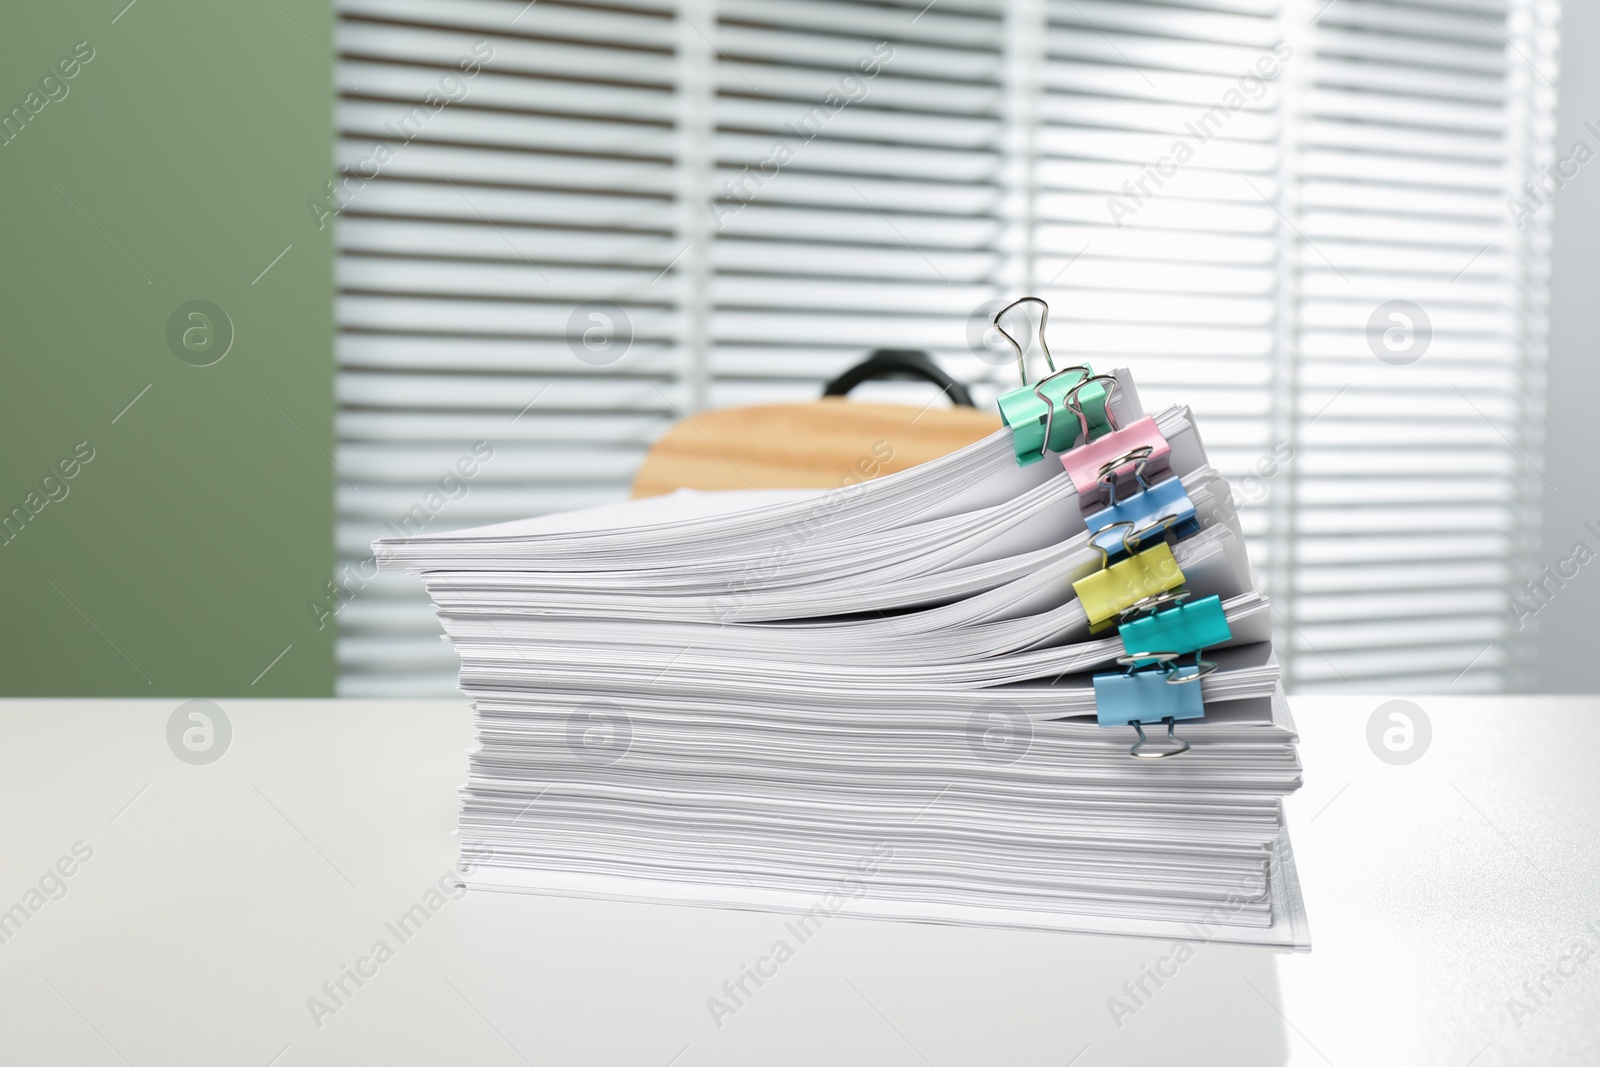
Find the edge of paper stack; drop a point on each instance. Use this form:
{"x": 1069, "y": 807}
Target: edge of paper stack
{"x": 876, "y": 700}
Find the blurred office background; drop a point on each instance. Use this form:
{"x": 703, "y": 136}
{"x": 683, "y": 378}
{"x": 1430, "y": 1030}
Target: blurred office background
{"x": 1309, "y": 221}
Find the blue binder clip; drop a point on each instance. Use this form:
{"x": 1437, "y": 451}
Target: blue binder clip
{"x": 1148, "y": 504}
{"x": 1152, "y": 689}
{"x": 1112, "y": 544}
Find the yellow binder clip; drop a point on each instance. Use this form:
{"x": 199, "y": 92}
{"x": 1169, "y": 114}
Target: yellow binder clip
{"x": 1117, "y": 586}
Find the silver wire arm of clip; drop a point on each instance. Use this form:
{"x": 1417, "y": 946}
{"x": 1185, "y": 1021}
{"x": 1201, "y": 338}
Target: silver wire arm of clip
{"x": 1044, "y": 319}
{"x": 1134, "y": 751}
{"x": 1075, "y": 406}
{"x": 1139, "y": 457}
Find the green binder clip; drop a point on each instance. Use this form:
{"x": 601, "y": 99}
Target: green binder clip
{"x": 1030, "y": 410}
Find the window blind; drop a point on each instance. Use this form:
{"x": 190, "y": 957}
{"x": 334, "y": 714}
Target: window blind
{"x": 548, "y": 181}
{"x": 1418, "y": 345}
{"x": 1157, "y": 217}
{"x": 631, "y": 211}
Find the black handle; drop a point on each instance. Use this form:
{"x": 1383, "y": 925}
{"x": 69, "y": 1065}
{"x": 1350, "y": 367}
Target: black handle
{"x": 899, "y": 363}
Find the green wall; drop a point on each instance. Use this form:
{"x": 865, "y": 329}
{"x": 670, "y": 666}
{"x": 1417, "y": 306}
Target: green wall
{"x": 177, "y": 165}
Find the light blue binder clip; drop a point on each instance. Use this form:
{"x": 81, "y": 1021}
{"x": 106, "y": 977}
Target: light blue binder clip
{"x": 1153, "y": 689}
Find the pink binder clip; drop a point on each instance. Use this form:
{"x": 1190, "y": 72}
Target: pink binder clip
{"x": 1137, "y": 449}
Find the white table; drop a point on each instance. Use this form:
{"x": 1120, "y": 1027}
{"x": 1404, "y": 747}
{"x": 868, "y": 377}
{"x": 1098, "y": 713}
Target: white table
{"x": 219, "y": 898}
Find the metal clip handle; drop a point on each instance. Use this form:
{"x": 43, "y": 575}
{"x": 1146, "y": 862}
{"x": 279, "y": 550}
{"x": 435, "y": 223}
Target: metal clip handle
{"x": 1044, "y": 319}
{"x": 1139, "y": 457}
{"x": 1171, "y": 736}
{"x": 1076, "y": 407}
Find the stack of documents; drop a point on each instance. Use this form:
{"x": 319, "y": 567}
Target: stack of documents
{"x": 877, "y": 700}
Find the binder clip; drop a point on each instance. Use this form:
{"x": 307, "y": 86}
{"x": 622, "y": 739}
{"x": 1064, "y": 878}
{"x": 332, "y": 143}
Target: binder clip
{"x": 1150, "y": 689}
{"x": 1168, "y": 621}
{"x": 1148, "y": 502}
{"x": 1030, "y": 410}
{"x": 1113, "y": 544}
{"x": 1114, "y": 453}
{"x": 1144, "y": 573}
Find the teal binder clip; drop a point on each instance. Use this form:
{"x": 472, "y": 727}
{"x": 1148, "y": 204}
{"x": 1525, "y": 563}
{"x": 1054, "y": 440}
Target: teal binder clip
{"x": 1181, "y": 628}
{"x": 1030, "y": 411}
{"x": 1152, "y": 689}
